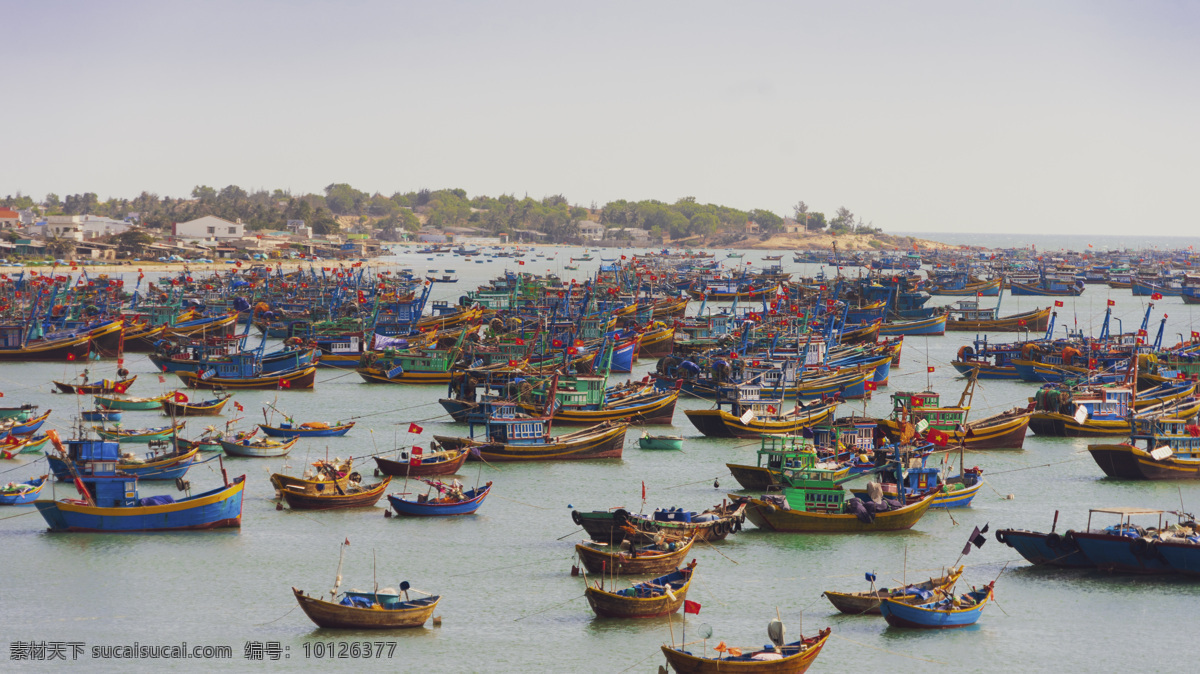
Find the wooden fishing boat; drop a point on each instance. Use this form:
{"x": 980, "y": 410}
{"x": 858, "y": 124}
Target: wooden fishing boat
{"x": 714, "y": 524}
{"x": 19, "y": 413}
{"x": 648, "y": 599}
{"x": 444, "y": 462}
{"x": 773, "y": 517}
{"x": 932, "y": 326}
{"x": 1170, "y": 451}
{"x": 741, "y": 295}
{"x": 322, "y": 473}
{"x": 138, "y": 435}
{"x": 104, "y": 387}
{"x": 947, "y": 613}
{"x": 308, "y": 429}
{"x": 153, "y": 465}
{"x": 374, "y": 610}
{"x": 1035, "y": 320}
{"x": 71, "y": 348}
{"x": 651, "y": 559}
{"x": 602, "y": 441}
{"x": 451, "y": 500}
{"x": 214, "y": 509}
{"x": 12, "y": 445}
{"x": 121, "y": 402}
{"x": 719, "y": 423}
{"x": 260, "y": 448}
{"x": 979, "y": 289}
{"x": 26, "y": 427}
{"x": 22, "y": 493}
{"x": 100, "y": 414}
{"x": 173, "y": 406}
{"x": 606, "y": 527}
{"x": 793, "y": 658}
{"x": 867, "y": 603}
{"x": 205, "y": 326}
{"x": 301, "y": 379}
{"x": 1052, "y": 549}
{"x": 335, "y": 498}
{"x": 657, "y": 342}
{"x": 646, "y": 408}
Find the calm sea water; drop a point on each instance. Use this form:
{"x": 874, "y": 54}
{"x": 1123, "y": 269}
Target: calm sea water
{"x": 1054, "y": 242}
{"x": 509, "y": 602}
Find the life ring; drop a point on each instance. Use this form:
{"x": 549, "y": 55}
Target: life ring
{"x": 737, "y": 524}
{"x": 719, "y": 529}
{"x": 354, "y": 477}
{"x": 576, "y": 517}
{"x": 965, "y": 351}
{"x": 620, "y": 516}
{"x": 1002, "y": 536}
{"x": 1140, "y": 547}
{"x": 1053, "y": 540}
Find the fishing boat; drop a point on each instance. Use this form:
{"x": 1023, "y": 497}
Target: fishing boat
{"x": 19, "y": 427}
{"x": 778, "y": 657}
{"x": 1169, "y": 450}
{"x": 777, "y": 516}
{"x": 178, "y": 405}
{"x": 1005, "y": 430}
{"x": 421, "y": 464}
{"x": 451, "y": 499}
{"x": 19, "y": 413}
{"x": 130, "y": 403}
{"x": 648, "y": 441}
{"x": 334, "y": 497}
{"x": 308, "y": 429}
{"x": 138, "y": 435}
{"x": 14, "y": 445}
{"x": 508, "y": 435}
{"x": 378, "y": 609}
{"x": 867, "y": 602}
{"x": 649, "y": 599}
{"x": 104, "y": 387}
{"x": 162, "y": 462}
{"x": 300, "y": 379}
{"x": 751, "y": 416}
{"x": 109, "y": 501}
{"x": 1124, "y": 547}
{"x": 713, "y": 524}
{"x": 968, "y": 317}
{"x": 951, "y": 612}
{"x": 260, "y": 448}
{"x": 321, "y": 473}
{"x": 932, "y": 326}
{"x": 606, "y": 527}
{"x": 1042, "y": 549}
{"x": 628, "y": 560}
{"x": 22, "y": 493}
{"x": 100, "y": 414}
{"x": 382, "y": 610}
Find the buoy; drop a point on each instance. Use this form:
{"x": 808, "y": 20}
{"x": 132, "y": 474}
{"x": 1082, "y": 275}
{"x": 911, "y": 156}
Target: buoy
{"x": 279, "y": 506}
{"x": 437, "y": 621}
{"x": 387, "y": 513}
{"x": 570, "y": 506}
{"x": 574, "y": 570}
{"x": 716, "y": 483}
{"x": 1010, "y": 497}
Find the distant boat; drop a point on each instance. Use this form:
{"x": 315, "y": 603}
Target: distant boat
{"x": 261, "y": 448}
{"x": 867, "y": 603}
{"x": 22, "y": 493}
{"x": 649, "y": 599}
{"x": 103, "y": 387}
{"x": 777, "y": 657}
{"x": 379, "y": 609}
{"x": 950, "y": 612}
{"x": 451, "y": 500}
{"x": 334, "y": 497}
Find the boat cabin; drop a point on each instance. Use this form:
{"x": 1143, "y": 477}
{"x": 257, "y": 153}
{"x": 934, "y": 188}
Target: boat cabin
{"x": 968, "y": 310}
{"x": 1167, "y": 437}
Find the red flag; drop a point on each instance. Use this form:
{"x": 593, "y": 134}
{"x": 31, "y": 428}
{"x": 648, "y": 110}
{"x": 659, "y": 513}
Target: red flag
{"x": 347, "y": 541}
{"x": 70, "y": 356}
{"x": 180, "y": 397}
{"x": 283, "y": 383}
{"x": 1156, "y": 296}
{"x": 120, "y": 388}
{"x": 520, "y": 342}
{"x": 870, "y": 385}
{"x": 643, "y": 490}
{"x": 930, "y": 368}
{"x": 1112, "y": 303}
{"x": 690, "y": 606}
{"x": 521, "y": 262}
{"x": 415, "y": 459}
{"x": 1058, "y": 303}
{"x": 162, "y": 379}
{"x": 238, "y": 406}
{"x": 413, "y": 428}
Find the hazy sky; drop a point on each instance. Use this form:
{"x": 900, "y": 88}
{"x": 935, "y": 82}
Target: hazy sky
{"x": 1063, "y": 117}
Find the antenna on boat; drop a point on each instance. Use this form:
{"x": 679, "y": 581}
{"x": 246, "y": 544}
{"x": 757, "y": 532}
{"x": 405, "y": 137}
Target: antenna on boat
{"x": 337, "y": 581}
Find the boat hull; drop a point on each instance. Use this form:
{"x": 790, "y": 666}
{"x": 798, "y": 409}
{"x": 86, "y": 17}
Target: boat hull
{"x": 795, "y": 661}
{"x": 216, "y": 509}
{"x": 448, "y": 466}
{"x": 899, "y": 614}
{"x": 335, "y": 616}
{"x": 1134, "y": 463}
{"x": 302, "y": 379}
{"x": 329, "y": 499}
{"x": 722, "y": 424}
{"x": 432, "y": 509}
{"x": 591, "y": 443}
{"x": 1045, "y": 549}
{"x": 767, "y": 516}
{"x": 622, "y": 564}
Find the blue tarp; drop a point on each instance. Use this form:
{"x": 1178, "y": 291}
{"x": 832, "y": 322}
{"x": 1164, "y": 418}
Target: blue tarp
{"x": 165, "y": 499}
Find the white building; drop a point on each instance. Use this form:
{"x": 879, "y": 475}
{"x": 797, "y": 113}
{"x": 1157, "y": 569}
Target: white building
{"x": 95, "y": 226}
{"x": 63, "y": 227}
{"x": 593, "y": 231}
{"x": 209, "y": 227}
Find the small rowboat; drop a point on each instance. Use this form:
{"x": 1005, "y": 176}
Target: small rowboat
{"x": 22, "y": 493}
{"x": 309, "y": 429}
{"x": 867, "y": 603}
{"x": 206, "y": 408}
{"x": 106, "y": 386}
{"x": 101, "y": 414}
{"x": 138, "y": 435}
{"x": 714, "y": 524}
{"x": 18, "y": 427}
{"x": 445, "y": 462}
{"x": 261, "y": 448}
{"x": 650, "y": 559}
{"x": 113, "y": 402}
{"x": 300, "y": 379}
{"x": 334, "y": 498}
{"x": 367, "y": 610}
{"x": 649, "y": 599}
{"x": 455, "y": 501}
{"x": 946, "y": 613}
{"x": 13, "y": 446}
{"x": 795, "y": 657}
{"x": 648, "y": 441}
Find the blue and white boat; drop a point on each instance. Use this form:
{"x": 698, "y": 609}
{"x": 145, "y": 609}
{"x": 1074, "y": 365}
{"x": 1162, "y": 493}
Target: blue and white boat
{"x": 951, "y": 612}
{"x": 450, "y": 500}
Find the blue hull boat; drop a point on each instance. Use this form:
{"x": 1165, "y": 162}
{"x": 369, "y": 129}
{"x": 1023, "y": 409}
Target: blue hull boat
{"x": 17, "y": 495}
{"x": 1045, "y": 549}
{"x": 1120, "y": 552}
{"x": 1183, "y": 556}
{"x": 160, "y": 467}
{"x": 468, "y": 503}
{"x": 101, "y": 415}
{"x": 214, "y": 509}
{"x": 944, "y": 614}
{"x": 307, "y": 431}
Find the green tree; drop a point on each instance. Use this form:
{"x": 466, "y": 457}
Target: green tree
{"x": 133, "y": 241}
{"x": 768, "y": 222}
{"x": 843, "y": 221}
{"x": 323, "y": 223}
{"x": 52, "y": 202}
